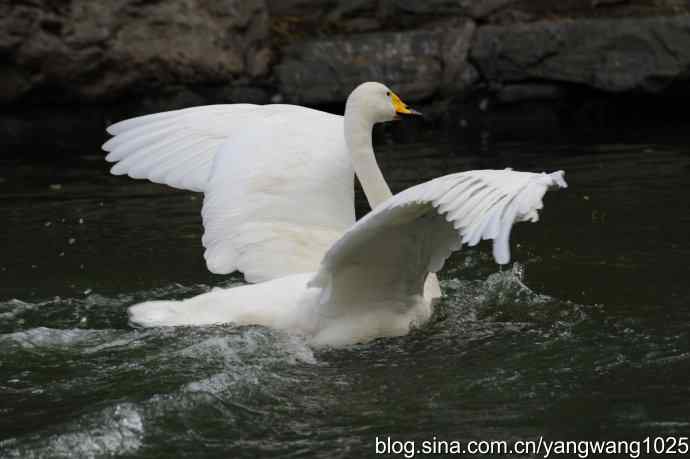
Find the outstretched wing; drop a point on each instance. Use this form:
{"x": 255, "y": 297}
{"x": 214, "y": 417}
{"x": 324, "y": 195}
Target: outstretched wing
{"x": 277, "y": 179}
{"x": 177, "y": 147}
{"x": 387, "y": 255}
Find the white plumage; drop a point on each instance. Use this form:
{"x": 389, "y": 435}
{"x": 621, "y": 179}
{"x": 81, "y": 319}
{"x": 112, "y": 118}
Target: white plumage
{"x": 279, "y": 206}
{"x": 277, "y": 180}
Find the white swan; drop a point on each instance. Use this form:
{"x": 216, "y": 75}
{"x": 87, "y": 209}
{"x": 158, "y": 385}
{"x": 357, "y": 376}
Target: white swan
{"x": 279, "y": 206}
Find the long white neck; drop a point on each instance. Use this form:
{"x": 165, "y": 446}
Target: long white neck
{"x": 358, "y": 129}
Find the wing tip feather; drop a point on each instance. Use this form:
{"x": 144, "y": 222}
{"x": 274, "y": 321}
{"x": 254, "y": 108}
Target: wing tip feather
{"x": 108, "y": 144}
{"x": 117, "y": 169}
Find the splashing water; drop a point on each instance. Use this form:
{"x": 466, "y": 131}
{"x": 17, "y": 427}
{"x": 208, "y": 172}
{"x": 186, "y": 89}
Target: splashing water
{"x": 587, "y": 338}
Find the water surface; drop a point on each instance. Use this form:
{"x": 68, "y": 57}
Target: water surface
{"x": 585, "y": 338}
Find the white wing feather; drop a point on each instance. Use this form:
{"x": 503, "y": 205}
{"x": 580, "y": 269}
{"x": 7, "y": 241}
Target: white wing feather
{"x": 277, "y": 180}
{"x": 279, "y": 198}
{"x": 175, "y": 148}
{"x": 388, "y": 254}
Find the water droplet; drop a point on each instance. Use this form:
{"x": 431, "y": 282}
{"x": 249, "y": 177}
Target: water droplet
{"x": 81, "y": 221}
{"x": 48, "y": 224}
{"x": 71, "y": 241}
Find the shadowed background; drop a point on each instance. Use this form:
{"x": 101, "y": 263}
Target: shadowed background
{"x": 512, "y": 67}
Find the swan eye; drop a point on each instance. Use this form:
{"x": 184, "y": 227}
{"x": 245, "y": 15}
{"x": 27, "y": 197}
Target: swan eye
{"x": 388, "y": 93}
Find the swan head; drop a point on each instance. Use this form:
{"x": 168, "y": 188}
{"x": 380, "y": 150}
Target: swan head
{"x": 377, "y": 103}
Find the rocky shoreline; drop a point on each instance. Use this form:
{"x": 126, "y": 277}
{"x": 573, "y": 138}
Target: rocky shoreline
{"x": 80, "y": 64}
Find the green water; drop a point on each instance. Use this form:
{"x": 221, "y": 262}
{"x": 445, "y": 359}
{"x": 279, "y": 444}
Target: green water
{"x": 585, "y": 338}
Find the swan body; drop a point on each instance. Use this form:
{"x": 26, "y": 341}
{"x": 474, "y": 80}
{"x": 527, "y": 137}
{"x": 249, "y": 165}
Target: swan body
{"x": 288, "y": 304}
{"x": 372, "y": 281}
{"x": 279, "y": 206}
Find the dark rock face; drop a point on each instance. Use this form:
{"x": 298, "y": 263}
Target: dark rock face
{"x": 86, "y": 63}
{"x": 349, "y": 15}
{"x": 76, "y": 51}
{"x": 93, "y": 50}
{"x": 537, "y": 10}
{"x": 325, "y": 71}
{"x": 471, "y": 8}
{"x": 332, "y": 9}
{"x": 612, "y": 55}
{"x": 458, "y": 75}
{"x": 417, "y": 64}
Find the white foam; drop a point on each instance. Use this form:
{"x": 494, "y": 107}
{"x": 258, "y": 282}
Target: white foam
{"x": 12, "y": 308}
{"x": 114, "y": 431}
{"x": 48, "y": 337}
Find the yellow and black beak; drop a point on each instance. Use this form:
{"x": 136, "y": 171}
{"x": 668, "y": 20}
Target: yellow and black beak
{"x": 401, "y": 108}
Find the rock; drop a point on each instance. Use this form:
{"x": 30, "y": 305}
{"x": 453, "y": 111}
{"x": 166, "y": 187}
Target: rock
{"x": 96, "y": 50}
{"x": 325, "y": 71}
{"x": 479, "y": 9}
{"x": 418, "y": 64}
{"x": 606, "y": 2}
{"x": 468, "y": 79}
{"x": 259, "y": 62}
{"x": 357, "y": 25}
{"x": 455, "y": 46}
{"x": 544, "y": 9}
{"x": 646, "y": 54}
{"x": 335, "y": 10}
{"x": 74, "y": 63}
{"x": 529, "y": 91}
{"x": 328, "y": 11}
{"x": 300, "y": 8}
{"x": 429, "y": 7}
{"x": 473, "y": 8}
